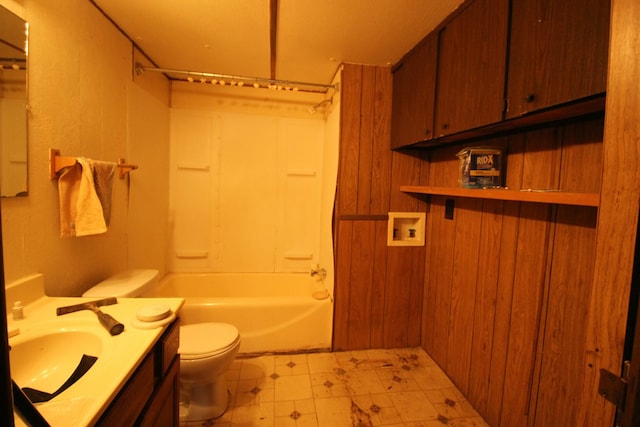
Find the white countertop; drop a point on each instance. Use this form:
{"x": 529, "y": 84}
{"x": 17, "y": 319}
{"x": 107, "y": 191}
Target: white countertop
{"x": 84, "y": 402}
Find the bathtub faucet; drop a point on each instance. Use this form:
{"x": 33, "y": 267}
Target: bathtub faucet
{"x": 322, "y": 272}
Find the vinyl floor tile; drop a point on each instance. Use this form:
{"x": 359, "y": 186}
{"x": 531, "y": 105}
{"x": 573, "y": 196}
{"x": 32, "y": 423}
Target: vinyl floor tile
{"x": 368, "y": 388}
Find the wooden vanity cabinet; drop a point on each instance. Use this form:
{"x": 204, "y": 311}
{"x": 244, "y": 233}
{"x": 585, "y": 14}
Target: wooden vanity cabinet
{"x": 558, "y": 53}
{"x": 150, "y": 396}
{"x": 471, "y": 67}
{"x": 414, "y": 90}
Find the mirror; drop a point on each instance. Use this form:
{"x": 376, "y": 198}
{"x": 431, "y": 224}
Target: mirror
{"x": 13, "y": 104}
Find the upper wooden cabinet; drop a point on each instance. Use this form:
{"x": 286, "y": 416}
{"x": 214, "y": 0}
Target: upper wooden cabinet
{"x": 471, "y": 67}
{"x": 414, "y": 89}
{"x": 558, "y": 52}
{"x": 496, "y": 61}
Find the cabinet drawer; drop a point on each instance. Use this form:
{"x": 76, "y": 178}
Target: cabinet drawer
{"x": 132, "y": 398}
{"x": 167, "y": 348}
{"x": 163, "y": 409}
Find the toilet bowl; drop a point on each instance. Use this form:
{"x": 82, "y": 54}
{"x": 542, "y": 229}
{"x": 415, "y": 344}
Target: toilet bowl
{"x": 206, "y": 351}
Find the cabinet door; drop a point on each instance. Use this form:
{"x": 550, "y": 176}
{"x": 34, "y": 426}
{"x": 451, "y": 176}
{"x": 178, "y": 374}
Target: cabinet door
{"x": 558, "y": 52}
{"x": 471, "y": 67}
{"x": 414, "y": 88}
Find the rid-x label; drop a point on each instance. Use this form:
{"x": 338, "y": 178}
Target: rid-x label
{"x": 480, "y": 167}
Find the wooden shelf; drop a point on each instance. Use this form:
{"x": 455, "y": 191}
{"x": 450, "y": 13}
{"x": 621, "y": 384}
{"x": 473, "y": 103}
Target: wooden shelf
{"x": 535, "y": 196}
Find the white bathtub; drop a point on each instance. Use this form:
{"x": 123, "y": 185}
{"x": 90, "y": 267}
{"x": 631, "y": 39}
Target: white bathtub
{"x": 274, "y": 312}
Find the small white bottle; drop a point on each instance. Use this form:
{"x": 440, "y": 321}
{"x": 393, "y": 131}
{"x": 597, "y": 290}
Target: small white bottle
{"x": 17, "y": 310}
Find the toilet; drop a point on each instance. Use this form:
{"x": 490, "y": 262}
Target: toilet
{"x": 206, "y": 350}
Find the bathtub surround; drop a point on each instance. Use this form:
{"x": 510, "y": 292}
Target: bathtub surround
{"x": 245, "y": 187}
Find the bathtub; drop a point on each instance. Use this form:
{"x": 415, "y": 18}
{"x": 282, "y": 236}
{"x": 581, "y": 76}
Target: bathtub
{"x": 274, "y": 312}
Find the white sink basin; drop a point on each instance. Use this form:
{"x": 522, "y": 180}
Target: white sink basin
{"x": 44, "y": 362}
{"x": 48, "y": 349}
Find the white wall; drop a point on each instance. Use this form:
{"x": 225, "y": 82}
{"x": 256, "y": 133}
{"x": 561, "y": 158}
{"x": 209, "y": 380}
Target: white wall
{"x": 85, "y": 102}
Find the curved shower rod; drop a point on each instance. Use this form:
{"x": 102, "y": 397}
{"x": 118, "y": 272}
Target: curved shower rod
{"x": 272, "y": 83}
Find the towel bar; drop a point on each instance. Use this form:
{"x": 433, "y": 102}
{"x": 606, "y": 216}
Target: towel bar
{"x": 57, "y": 162}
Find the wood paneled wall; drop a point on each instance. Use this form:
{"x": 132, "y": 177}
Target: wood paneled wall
{"x": 378, "y": 291}
{"x": 508, "y": 284}
{"x": 499, "y": 296}
{"x": 617, "y": 216}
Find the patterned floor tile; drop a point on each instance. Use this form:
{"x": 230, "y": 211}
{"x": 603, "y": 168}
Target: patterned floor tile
{"x": 367, "y": 388}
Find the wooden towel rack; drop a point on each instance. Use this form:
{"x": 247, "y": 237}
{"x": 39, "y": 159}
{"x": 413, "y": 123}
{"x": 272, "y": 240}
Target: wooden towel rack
{"x": 57, "y": 162}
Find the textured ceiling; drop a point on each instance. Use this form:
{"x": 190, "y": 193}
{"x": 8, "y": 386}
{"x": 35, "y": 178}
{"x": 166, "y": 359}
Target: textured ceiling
{"x": 312, "y": 37}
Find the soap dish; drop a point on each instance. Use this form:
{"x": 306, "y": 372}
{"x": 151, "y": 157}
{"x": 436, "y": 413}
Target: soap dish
{"x": 153, "y": 316}
{"x": 152, "y": 325}
{"x": 153, "y": 313}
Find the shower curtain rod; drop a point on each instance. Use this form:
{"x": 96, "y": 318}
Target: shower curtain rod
{"x": 141, "y": 69}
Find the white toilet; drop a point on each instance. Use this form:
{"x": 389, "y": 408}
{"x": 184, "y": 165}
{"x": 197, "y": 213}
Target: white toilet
{"x": 206, "y": 351}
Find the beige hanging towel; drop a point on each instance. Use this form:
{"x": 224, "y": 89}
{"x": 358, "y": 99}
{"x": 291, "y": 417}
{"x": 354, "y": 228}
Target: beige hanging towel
{"x": 81, "y": 212}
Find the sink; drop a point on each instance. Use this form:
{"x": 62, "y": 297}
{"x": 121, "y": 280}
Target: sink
{"x": 46, "y": 361}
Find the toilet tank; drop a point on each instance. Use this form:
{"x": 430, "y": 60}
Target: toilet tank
{"x": 126, "y": 284}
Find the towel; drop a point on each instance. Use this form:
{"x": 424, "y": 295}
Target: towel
{"x": 81, "y": 210}
{"x": 103, "y": 173}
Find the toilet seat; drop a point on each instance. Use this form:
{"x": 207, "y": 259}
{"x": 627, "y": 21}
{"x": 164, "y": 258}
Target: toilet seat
{"x": 202, "y": 340}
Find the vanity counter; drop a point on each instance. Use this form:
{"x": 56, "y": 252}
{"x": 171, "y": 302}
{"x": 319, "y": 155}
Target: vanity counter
{"x": 85, "y": 402}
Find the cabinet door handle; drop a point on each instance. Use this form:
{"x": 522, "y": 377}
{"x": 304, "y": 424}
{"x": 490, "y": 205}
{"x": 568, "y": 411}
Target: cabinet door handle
{"x": 445, "y": 126}
{"x": 427, "y": 132}
{"x": 530, "y": 98}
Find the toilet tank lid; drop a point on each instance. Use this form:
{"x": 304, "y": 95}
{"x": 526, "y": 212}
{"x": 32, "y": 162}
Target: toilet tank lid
{"x": 128, "y": 283}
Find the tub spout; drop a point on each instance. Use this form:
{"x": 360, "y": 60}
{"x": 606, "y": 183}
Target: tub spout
{"x": 321, "y": 272}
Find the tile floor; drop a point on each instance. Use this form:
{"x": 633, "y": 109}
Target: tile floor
{"x": 395, "y": 388}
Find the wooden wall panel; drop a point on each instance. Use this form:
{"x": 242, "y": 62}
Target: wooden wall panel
{"x": 360, "y": 283}
{"x": 379, "y": 286}
{"x": 407, "y": 166}
{"x": 502, "y": 326}
{"x": 540, "y": 168}
{"x": 381, "y": 165}
{"x": 342, "y": 292}
{"x": 416, "y": 290}
{"x": 563, "y": 337}
{"x": 582, "y": 156}
{"x": 617, "y": 214}
{"x": 466, "y": 256}
{"x": 493, "y": 271}
{"x": 366, "y": 140}
{"x": 433, "y": 265}
{"x": 528, "y": 286}
{"x": 378, "y": 297}
{"x": 365, "y": 159}
{"x": 562, "y": 353}
{"x": 439, "y": 282}
{"x": 504, "y": 286}
{"x": 349, "y": 151}
{"x": 485, "y": 304}
{"x": 397, "y": 297}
